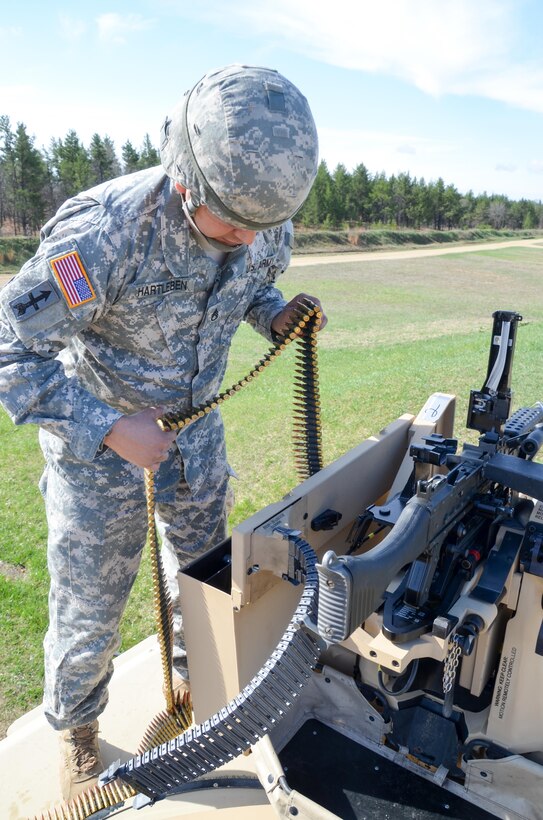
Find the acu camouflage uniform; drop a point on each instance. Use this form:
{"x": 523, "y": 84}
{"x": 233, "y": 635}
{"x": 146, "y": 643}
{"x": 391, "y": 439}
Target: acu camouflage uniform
{"x": 149, "y": 323}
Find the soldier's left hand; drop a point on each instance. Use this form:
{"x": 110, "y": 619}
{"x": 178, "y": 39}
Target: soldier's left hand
{"x": 292, "y": 310}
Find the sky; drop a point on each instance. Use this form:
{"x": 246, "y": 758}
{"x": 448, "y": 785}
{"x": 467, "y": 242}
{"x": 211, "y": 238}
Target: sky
{"x": 433, "y": 88}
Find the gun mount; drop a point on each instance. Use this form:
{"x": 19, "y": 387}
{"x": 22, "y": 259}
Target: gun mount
{"x": 414, "y": 682}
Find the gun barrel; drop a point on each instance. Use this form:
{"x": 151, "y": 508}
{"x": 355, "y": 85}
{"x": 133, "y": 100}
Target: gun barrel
{"x": 510, "y": 471}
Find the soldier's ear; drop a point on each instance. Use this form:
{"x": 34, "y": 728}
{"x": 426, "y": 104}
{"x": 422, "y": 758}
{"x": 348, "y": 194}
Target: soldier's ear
{"x": 180, "y": 188}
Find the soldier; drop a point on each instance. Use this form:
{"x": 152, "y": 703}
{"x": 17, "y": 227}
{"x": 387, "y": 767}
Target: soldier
{"x": 127, "y": 311}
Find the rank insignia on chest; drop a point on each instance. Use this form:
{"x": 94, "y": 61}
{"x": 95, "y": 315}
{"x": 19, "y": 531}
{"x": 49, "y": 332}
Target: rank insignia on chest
{"x": 73, "y": 279}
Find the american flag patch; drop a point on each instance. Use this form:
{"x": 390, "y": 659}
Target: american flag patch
{"x": 73, "y": 279}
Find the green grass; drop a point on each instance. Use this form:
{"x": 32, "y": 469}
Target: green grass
{"x": 23, "y": 593}
{"x": 14, "y": 251}
{"x": 398, "y": 330}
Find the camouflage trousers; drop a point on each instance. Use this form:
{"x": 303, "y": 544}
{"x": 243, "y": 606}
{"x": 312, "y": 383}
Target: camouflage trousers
{"x": 94, "y": 550}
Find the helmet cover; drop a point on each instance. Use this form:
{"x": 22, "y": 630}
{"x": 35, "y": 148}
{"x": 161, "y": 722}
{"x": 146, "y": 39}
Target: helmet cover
{"x": 244, "y": 142}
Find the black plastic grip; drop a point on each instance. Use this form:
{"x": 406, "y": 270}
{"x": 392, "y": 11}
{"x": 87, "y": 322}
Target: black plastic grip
{"x": 532, "y": 443}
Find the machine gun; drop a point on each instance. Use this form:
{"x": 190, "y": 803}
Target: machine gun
{"x": 441, "y": 525}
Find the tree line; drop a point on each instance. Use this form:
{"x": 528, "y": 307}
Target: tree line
{"x": 401, "y": 201}
{"x": 34, "y": 183}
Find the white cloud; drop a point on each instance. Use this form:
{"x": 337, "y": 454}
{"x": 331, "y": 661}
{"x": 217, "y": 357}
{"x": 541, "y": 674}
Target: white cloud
{"x": 446, "y": 47}
{"x": 535, "y": 166}
{"x": 379, "y": 149}
{"x": 506, "y": 166}
{"x": 517, "y": 85}
{"x": 71, "y": 28}
{"x": 10, "y": 32}
{"x": 114, "y": 27}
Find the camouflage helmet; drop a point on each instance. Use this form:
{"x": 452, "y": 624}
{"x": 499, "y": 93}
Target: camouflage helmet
{"x": 244, "y": 142}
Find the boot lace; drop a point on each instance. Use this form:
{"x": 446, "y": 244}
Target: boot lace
{"x": 84, "y": 742}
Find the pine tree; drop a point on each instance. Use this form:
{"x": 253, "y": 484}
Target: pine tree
{"x": 72, "y": 165}
{"x": 113, "y": 166}
{"x": 315, "y": 209}
{"x": 338, "y": 206}
{"x": 31, "y": 175}
{"x": 382, "y": 208}
{"x": 359, "y": 195}
{"x": 103, "y": 160}
{"x": 403, "y": 199}
{"x": 22, "y": 179}
{"x": 130, "y": 158}
{"x": 436, "y": 197}
{"x": 149, "y": 156}
{"x": 8, "y": 182}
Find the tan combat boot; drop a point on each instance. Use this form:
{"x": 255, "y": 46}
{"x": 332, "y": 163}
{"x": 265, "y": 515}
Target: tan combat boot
{"x": 80, "y": 761}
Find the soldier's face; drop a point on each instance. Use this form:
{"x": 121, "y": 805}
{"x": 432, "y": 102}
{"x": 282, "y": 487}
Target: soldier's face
{"x": 214, "y": 228}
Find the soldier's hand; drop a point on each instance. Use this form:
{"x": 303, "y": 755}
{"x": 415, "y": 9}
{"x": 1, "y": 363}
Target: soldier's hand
{"x": 291, "y": 311}
{"x": 140, "y": 440}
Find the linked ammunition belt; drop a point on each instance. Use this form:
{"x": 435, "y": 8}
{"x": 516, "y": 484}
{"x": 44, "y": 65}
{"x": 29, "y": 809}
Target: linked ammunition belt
{"x": 253, "y": 713}
{"x": 308, "y": 460}
{"x": 248, "y": 717}
{"x": 306, "y": 406}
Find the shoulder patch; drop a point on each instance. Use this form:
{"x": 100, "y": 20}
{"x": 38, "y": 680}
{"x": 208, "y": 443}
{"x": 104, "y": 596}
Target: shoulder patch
{"x": 73, "y": 279}
{"x": 28, "y": 304}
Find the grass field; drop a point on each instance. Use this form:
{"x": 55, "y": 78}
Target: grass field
{"x": 398, "y": 330}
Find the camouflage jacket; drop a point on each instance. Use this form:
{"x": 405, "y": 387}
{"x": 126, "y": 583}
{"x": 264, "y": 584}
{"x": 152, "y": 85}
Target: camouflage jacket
{"x": 121, "y": 309}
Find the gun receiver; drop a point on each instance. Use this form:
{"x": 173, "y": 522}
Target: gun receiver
{"x": 438, "y": 524}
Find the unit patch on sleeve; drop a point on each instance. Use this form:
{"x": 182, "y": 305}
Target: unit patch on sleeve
{"x": 28, "y": 304}
{"x": 73, "y": 279}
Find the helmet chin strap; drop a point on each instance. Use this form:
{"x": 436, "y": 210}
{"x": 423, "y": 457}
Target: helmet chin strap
{"x": 205, "y": 242}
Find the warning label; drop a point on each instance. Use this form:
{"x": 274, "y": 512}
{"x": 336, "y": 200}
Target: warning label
{"x": 537, "y": 514}
{"x": 504, "y": 680}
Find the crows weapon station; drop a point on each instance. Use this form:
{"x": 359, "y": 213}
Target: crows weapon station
{"x": 369, "y": 646}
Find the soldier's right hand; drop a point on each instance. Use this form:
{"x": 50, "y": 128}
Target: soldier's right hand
{"x": 140, "y": 440}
